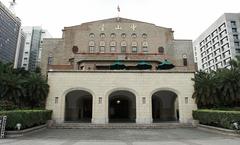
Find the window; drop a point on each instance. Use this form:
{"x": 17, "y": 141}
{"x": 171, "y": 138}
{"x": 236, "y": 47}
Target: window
{"x": 123, "y": 35}
{"x": 102, "y": 49}
{"x": 215, "y": 39}
{"x": 225, "y": 47}
{"x": 225, "y": 39}
{"x": 161, "y": 50}
{"x": 233, "y": 23}
{"x": 123, "y": 49}
{"x": 235, "y": 37}
{"x": 219, "y": 65}
{"x": 222, "y": 26}
{"x": 234, "y": 30}
{"x": 91, "y": 35}
{"x": 145, "y": 49}
{"x": 214, "y": 33}
{"x": 102, "y": 35}
{"x": 113, "y": 35}
{"x": 225, "y": 54}
{"x": 134, "y": 35}
{"x": 112, "y": 48}
{"x": 223, "y": 33}
{"x": 218, "y": 58}
{"x": 134, "y": 49}
{"x": 50, "y": 60}
{"x": 144, "y": 35}
{"x": 236, "y": 44}
{"x": 91, "y": 49}
{"x": 216, "y": 52}
{"x": 185, "y": 63}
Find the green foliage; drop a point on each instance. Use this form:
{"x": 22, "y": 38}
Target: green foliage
{"x": 219, "y": 88}
{"x": 25, "y": 89}
{"x": 28, "y": 118}
{"x": 218, "y": 118}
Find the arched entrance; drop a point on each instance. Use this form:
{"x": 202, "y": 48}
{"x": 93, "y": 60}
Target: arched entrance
{"x": 78, "y": 106}
{"x": 165, "y": 106}
{"x": 122, "y": 107}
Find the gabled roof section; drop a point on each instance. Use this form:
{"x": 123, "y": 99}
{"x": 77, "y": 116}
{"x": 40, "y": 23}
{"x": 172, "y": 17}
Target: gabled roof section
{"x": 116, "y": 19}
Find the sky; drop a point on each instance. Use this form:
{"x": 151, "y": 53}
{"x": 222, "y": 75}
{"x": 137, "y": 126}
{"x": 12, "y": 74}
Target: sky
{"x": 188, "y": 18}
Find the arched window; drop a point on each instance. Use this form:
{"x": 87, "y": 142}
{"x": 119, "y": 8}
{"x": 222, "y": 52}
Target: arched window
{"x": 102, "y": 35}
{"x": 91, "y": 35}
{"x": 123, "y": 35}
{"x": 160, "y": 50}
{"x": 144, "y": 35}
{"x": 113, "y": 35}
{"x": 134, "y": 35}
{"x": 185, "y": 63}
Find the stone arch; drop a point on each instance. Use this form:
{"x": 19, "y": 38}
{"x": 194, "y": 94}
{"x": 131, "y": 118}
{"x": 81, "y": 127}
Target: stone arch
{"x": 82, "y": 97}
{"x": 125, "y": 109}
{"x": 165, "y": 104}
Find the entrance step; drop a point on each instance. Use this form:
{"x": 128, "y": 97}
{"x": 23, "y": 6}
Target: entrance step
{"x": 121, "y": 126}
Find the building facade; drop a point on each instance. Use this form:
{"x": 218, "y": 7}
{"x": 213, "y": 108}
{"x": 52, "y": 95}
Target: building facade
{"x": 21, "y": 49}
{"x": 219, "y": 43}
{"x": 32, "y": 47}
{"x": 119, "y": 70}
{"x": 9, "y": 35}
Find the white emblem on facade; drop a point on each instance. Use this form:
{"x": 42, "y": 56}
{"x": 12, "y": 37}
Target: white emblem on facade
{"x": 118, "y": 27}
{"x": 102, "y": 27}
{"x": 133, "y": 27}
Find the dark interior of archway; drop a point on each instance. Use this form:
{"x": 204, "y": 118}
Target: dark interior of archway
{"x": 78, "y": 107}
{"x": 163, "y": 107}
{"x": 122, "y": 107}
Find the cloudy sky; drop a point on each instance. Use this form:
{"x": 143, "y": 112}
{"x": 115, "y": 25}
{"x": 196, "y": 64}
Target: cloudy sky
{"x": 188, "y": 18}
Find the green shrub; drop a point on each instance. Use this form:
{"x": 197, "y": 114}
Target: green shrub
{"x": 217, "y": 118}
{"x": 28, "y": 118}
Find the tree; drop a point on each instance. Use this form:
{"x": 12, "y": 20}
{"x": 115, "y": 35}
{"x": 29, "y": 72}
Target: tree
{"x": 205, "y": 90}
{"x": 36, "y": 89}
{"x": 229, "y": 84}
{"x": 12, "y": 87}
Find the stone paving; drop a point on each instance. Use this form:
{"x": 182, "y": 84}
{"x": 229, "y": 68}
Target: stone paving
{"x": 180, "y": 136}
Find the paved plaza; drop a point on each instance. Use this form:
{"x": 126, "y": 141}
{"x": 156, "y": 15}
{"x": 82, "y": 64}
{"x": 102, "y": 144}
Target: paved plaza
{"x": 181, "y": 136}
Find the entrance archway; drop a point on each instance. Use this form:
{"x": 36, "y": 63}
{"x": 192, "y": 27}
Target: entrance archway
{"x": 122, "y": 107}
{"x": 165, "y": 106}
{"x": 78, "y": 106}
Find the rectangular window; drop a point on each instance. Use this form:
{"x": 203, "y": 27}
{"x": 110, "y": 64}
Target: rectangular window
{"x": 185, "y": 63}
{"x": 134, "y": 49}
{"x": 145, "y": 49}
{"x": 50, "y": 60}
{"x": 235, "y": 37}
{"x": 236, "y": 44}
{"x": 91, "y": 49}
{"x": 123, "y": 49}
{"x": 223, "y": 33}
{"x": 233, "y": 23}
{"x": 234, "y": 30}
{"x": 219, "y": 65}
{"x": 112, "y": 49}
{"x": 222, "y": 26}
{"x": 102, "y": 49}
{"x": 214, "y": 33}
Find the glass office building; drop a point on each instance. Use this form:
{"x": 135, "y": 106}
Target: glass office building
{"x": 9, "y": 31}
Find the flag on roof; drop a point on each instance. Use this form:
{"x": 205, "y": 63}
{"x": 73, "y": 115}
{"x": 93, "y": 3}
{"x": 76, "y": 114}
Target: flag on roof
{"x": 118, "y": 8}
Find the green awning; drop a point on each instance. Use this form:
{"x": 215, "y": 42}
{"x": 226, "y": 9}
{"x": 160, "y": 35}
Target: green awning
{"x": 144, "y": 65}
{"x": 166, "y": 64}
{"x": 117, "y": 65}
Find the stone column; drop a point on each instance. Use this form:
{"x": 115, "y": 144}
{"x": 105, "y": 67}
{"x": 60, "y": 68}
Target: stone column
{"x": 143, "y": 110}
{"x": 99, "y": 110}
